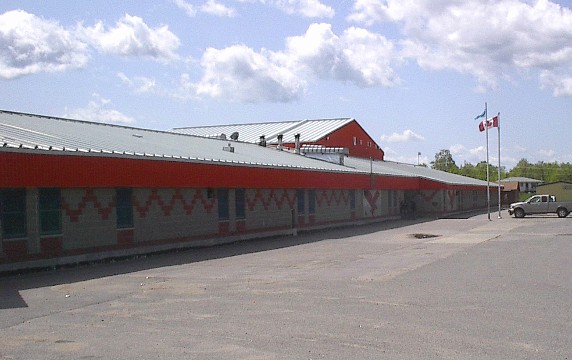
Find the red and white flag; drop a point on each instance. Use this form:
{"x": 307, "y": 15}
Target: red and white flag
{"x": 489, "y": 123}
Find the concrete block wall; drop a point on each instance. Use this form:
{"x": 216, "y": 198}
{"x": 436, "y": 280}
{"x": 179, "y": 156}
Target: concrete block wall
{"x": 161, "y": 214}
{"x": 172, "y": 216}
{"x": 333, "y": 205}
{"x": 88, "y": 218}
{"x": 381, "y": 203}
{"x": 267, "y": 208}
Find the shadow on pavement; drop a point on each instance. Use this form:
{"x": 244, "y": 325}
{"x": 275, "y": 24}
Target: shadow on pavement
{"x": 12, "y": 284}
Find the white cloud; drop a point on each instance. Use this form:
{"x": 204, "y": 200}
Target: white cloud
{"x": 389, "y": 151}
{"x": 404, "y": 158}
{"x": 357, "y": 56}
{"x": 139, "y": 84}
{"x": 547, "y": 153}
{"x": 98, "y": 110}
{"x": 484, "y": 39}
{"x": 189, "y": 9}
{"x": 185, "y": 89}
{"x": 30, "y": 45}
{"x": 478, "y": 153}
{"x": 212, "y": 7}
{"x": 561, "y": 85}
{"x": 238, "y": 73}
{"x": 405, "y": 136}
{"x": 306, "y": 8}
{"x": 457, "y": 149}
{"x": 519, "y": 148}
{"x": 132, "y": 37}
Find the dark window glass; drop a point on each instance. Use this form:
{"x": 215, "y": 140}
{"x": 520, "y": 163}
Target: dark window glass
{"x": 222, "y": 197}
{"x": 50, "y": 211}
{"x": 311, "y": 201}
{"x": 124, "y": 207}
{"x": 13, "y": 213}
{"x": 300, "y": 196}
{"x": 240, "y": 205}
{"x": 352, "y": 199}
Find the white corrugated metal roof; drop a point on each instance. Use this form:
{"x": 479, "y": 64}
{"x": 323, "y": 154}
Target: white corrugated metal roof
{"x": 408, "y": 170}
{"x": 43, "y": 133}
{"x": 309, "y": 130}
{"x": 521, "y": 179}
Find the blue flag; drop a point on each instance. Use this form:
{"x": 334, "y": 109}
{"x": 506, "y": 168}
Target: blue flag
{"x": 482, "y": 115}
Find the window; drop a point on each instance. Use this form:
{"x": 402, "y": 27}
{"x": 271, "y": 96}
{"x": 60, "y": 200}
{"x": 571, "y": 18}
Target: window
{"x": 392, "y": 199}
{"x": 222, "y": 196}
{"x": 49, "y": 206}
{"x": 352, "y": 200}
{"x": 355, "y": 141}
{"x": 124, "y": 208}
{"x": 311, "y": 201}
{"x": 239, "y": 203}
{"x": 13, "y": 213}
{"x": 301, "y": 201}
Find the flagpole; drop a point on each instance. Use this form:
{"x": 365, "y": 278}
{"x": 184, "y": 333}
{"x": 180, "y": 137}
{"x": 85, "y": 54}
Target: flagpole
{"x": 488, "y": 175}
{"x": 498, "y": 177}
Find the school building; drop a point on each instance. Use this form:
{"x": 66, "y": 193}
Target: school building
{"x": 74, "y": 191}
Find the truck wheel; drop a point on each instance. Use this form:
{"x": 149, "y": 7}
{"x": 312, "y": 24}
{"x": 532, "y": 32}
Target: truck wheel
{"x": 518, "y": 213}
{"x": 562, "y": 212}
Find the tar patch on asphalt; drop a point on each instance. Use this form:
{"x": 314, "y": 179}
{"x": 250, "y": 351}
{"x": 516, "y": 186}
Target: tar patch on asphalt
{"x": 424, "y": 236}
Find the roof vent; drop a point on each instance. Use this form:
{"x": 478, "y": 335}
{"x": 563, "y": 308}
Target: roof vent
{"x": 228, "y": 148}
{"x": 262, "y": 141}
{"x": 217, "y": 136}
{"x": 234, "y": 136}
{"x": 297, "y": 143}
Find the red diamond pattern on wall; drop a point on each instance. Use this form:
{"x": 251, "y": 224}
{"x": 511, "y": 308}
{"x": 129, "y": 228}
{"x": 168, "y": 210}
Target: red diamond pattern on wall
{"x": 88, "y": 197}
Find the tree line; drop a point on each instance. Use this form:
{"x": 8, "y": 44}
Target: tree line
{"x": 545, "y": 171}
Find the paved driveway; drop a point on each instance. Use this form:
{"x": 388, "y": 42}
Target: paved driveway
{"x": 481, "y": 289}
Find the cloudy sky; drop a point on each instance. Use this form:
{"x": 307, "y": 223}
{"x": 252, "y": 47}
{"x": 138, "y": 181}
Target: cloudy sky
{"x": 414, "y": 73}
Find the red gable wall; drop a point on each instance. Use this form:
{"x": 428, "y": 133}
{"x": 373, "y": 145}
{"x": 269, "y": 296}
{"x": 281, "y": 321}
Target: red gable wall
{"x": 363, "y": 146}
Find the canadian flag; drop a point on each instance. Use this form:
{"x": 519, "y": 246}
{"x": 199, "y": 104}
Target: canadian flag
{"x": 489, "y": 123}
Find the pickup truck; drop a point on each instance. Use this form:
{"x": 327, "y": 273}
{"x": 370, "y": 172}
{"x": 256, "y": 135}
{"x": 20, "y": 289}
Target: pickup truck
{"x": 540, "y": 204}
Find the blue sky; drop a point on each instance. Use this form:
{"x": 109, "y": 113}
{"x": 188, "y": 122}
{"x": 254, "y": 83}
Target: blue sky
{"x": 414, "y": 73}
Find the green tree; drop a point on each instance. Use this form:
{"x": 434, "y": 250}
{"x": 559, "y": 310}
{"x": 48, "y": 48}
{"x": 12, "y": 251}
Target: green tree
{"x": 444, "y": 162}
{"x": 547, "y": 172}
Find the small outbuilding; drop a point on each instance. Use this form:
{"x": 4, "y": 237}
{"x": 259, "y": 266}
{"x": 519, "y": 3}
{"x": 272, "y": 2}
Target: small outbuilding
{"x": 525, "y": 185}
{"x": 561, "y": 189}
{"x": 510, "y": 192}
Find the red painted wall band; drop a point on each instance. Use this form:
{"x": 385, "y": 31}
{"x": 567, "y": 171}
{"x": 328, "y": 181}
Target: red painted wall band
{"x": 77, "y": 171}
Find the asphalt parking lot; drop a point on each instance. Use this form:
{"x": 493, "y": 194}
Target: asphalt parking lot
{"x": 418, "y": 289}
